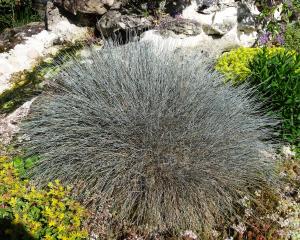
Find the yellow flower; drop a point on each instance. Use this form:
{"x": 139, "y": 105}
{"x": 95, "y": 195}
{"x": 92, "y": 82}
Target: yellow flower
{"x": 17, "y": 218}
{"x": 48, "y": 211}
{"x": 25, "y": 217}
{"x": 76, "y": 221}
{"x": 35, "y": 227}
{"x": 57, "y": 206}
{"x": 48, "y": 237}
{"x": 61, "y": 216}
{"x": 3, "y": 159}
{"x": 61, "y": 228}
{"x": 62, "y": 237}
{"x": 54, "y": 202}
{"x": 235, "y": 64}
{"x": 13, "y": 201}
{"x": 52, "y": 223}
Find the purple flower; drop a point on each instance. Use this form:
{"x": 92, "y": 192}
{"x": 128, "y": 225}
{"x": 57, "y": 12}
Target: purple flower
{"x": 280, "y": 39}
{"x": 264, "y": 39}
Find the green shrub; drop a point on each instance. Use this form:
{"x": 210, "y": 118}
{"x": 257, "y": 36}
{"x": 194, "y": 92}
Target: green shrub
{"x": 46, "y": 214}
{"x": 292, "y": 36}
{"x": 235, "y": 64}
{"x": 15, "y": 13}
{"x": 277, "y": 77}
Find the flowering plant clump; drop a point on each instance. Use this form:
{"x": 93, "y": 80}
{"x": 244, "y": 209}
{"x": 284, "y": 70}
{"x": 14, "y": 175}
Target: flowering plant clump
{"x": 45, "y": 214}
{"x": 235, "y": 64}
{"x": 275, "y": 18}
{"x": 267, "y": 39}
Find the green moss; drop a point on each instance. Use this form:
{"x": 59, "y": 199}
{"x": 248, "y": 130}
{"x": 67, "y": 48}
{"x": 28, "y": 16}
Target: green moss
{"x": 28, "y": 83}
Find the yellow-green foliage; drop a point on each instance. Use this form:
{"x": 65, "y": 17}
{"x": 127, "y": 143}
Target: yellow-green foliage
{"x": 46, "y": 214}
{"x": 234, "y": 64}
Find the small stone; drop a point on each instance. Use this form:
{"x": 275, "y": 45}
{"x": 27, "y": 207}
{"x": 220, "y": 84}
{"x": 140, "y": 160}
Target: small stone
{"x": 287, "y": 152}
{"x": 189, "y": 235}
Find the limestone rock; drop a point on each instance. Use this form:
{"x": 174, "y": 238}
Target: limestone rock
{"x": 246, "y": 14}
{"x": 212, "y": 6}
{"x": 53, "y": 15}
{"x": 222, "y": 22}
{"x": 26, "y": 54}
{"x": 223, "y": 18}
{"x": 198, "y": 43}
{"x": 9, "y": 124}
{"x": 10, "y": 37}
{"x": 180, "y": 26}
{"x": 98, "y": 7}
{"x": 202, "y": 5}
{"x": 114, "y": 21}
{"x": 175, "y": 7}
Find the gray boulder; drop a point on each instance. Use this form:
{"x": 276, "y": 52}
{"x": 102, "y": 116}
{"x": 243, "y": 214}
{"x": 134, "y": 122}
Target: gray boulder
{"x": 98, "y": 7}
{"x": 179, "y": 26}
{"x": 245, "y": 17}
{"x": 114, "y": 21}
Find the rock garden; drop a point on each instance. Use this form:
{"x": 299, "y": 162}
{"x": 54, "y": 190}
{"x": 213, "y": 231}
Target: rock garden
{"x": 141, "y": 120}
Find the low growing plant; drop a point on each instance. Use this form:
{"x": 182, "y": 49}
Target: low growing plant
{"x": 48, "y": 214}
{"x": 235, "y": 64}
{"x": 156, "y": 136}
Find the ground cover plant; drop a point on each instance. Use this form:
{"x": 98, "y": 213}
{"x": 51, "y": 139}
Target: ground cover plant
{"x": 29, "y": 213}
{"x": 155, "y": 136}
{"x": 235, "y": 64}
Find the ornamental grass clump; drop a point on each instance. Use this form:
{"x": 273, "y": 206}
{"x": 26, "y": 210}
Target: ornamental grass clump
{"x": 156, "y": 136}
